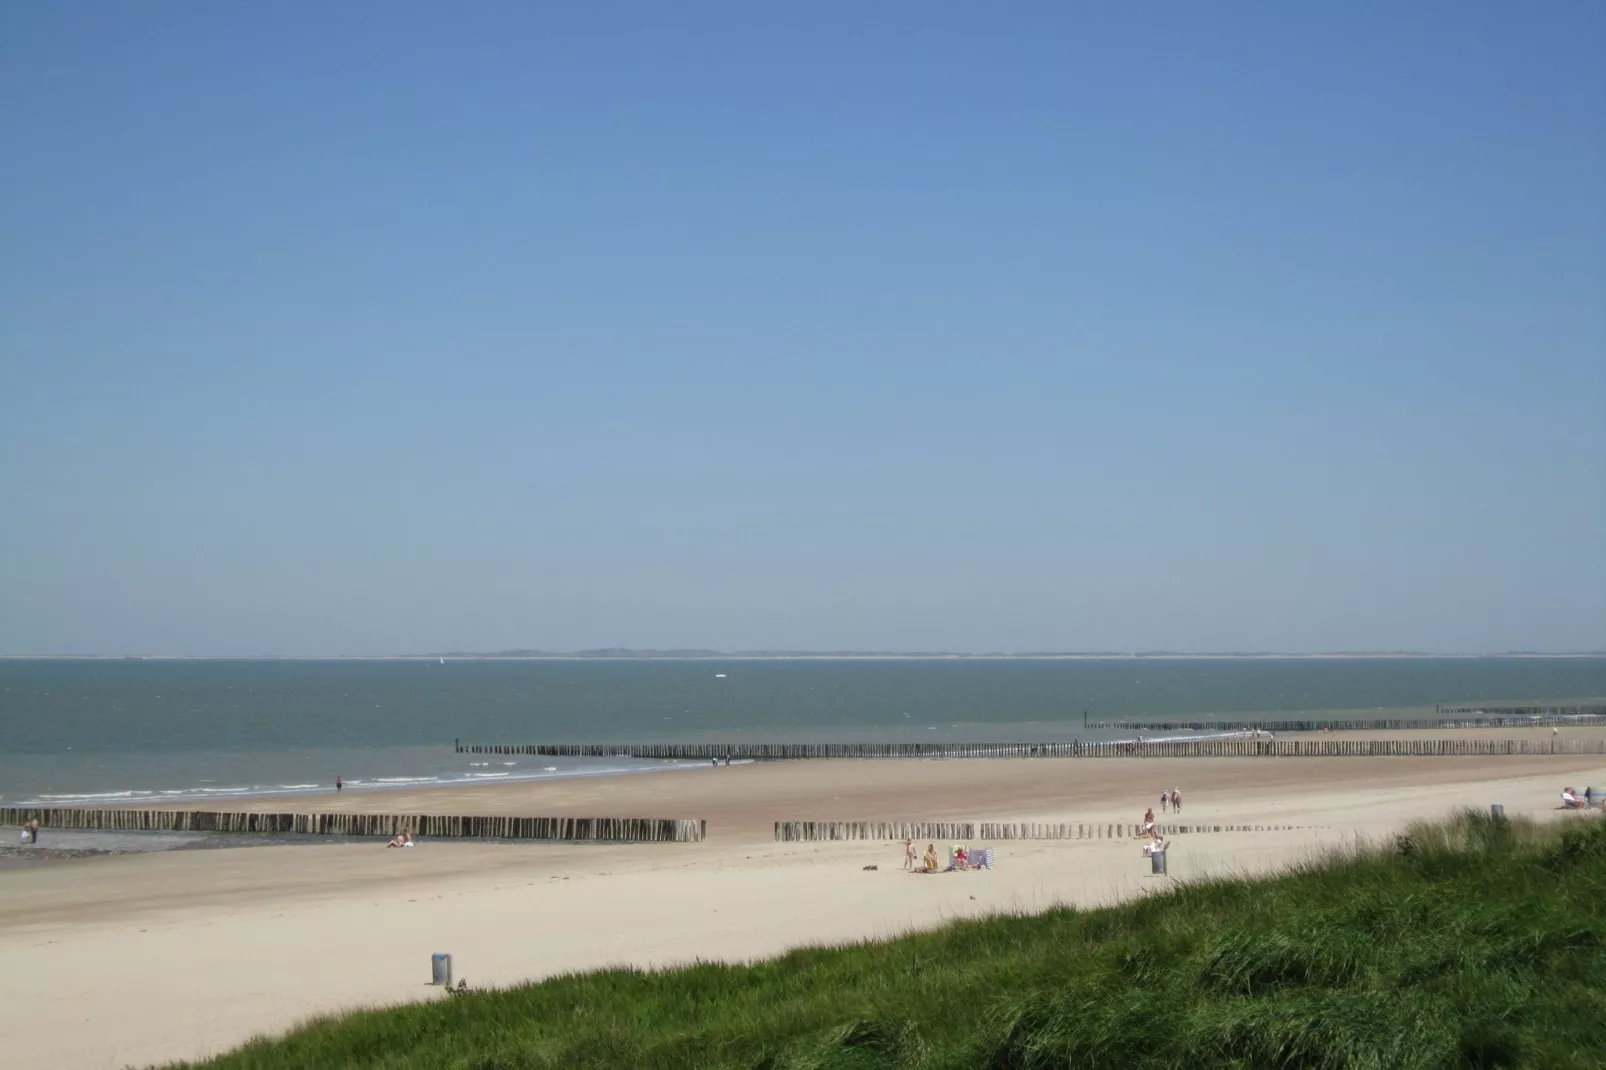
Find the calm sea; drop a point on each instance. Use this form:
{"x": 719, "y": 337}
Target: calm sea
{"x": 72, "y": 730}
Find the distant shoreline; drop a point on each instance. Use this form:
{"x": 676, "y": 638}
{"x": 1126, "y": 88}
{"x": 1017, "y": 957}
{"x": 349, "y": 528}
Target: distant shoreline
{"x": 806, "y": 656}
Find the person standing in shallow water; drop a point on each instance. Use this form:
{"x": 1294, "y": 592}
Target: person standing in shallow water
{"x": 340, "y": 785}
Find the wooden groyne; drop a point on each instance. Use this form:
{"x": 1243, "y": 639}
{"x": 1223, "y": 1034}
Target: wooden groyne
{"x": 964, "y": 831}
{"x": 1202, "y": 748}
{"x": 434, "y": 826}
{"x": 1444, "y": 717}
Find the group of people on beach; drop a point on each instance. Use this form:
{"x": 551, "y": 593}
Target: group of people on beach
{"x": 1571, "y": 800}
{"x": 930, "y": 863}
{"x": 1150, "y": 831}
{"x": 402, "y": 839}
{"x": 911, "y": 861}
{"x": 30, "y": 832}
{"x": 1172, "y": 799}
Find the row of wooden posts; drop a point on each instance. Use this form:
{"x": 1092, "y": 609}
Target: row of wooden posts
{"x": 605, "y": 829}
{"x": 957, "y": 831}
{"x": 434, "y": 826}
{"x": 1444, "y": 717}
{"x": 1202, "y": 748}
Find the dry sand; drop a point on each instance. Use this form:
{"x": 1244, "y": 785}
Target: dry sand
{"x": 130, "y": 960}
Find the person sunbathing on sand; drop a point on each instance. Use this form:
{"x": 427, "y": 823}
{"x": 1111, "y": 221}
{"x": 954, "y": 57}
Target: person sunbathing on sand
{"x": 1148, "y": 823}
{"x": 931, "y": 858}
{"x": 396, "y": 841}
{"x": 1569, "y": 799}
{"x": 961, "y": 859}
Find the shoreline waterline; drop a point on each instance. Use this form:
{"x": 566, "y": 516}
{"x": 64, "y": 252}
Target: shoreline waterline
{"x": 142, "y": 797}
{"x": 180, "y": 798}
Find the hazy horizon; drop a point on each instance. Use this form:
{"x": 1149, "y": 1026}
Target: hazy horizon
{"x": 1243, "y": 329}
{"x": 760, "y": 654}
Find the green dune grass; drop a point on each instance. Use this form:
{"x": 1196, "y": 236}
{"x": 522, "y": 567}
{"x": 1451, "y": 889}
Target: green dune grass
{"x": 1475, "y": 944}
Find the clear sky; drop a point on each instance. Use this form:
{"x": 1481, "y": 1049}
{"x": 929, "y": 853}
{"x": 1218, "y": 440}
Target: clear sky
{"x": 367, "y": 328}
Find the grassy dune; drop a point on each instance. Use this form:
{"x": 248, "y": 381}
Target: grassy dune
{"x": 1469, "y": 944}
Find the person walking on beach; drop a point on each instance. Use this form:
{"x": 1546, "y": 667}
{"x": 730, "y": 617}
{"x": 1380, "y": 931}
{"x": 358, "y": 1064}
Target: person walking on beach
{"x": 33, "y": 831}
{"x": 1164, "y": 798}
{"x": 1176, "y": 800}
{"x": 340, "y": 785}
{"x": 909, "y": 854}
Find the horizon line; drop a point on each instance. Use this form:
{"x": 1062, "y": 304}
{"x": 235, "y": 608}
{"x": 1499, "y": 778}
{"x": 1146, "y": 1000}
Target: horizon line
{"x": 697, "y": 653}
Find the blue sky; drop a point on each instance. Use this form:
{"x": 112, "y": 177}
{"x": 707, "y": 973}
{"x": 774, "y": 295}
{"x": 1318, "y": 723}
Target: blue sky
{"x": 1068, "y": 326}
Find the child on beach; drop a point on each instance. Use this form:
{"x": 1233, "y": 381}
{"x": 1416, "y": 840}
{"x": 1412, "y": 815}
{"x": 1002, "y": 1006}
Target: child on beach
{"x": 909, "y": 854}
{"x": 1165, "y": 797}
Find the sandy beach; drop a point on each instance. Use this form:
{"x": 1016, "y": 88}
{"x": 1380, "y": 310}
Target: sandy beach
{"x": 136, "y": 959}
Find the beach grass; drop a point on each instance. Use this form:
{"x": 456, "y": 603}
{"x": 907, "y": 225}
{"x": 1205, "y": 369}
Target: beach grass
{"x": 1474, "y": 943}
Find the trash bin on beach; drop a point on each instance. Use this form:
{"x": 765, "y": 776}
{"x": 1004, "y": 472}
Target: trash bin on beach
{"x": 1497, "y": 812}
{"x": 1157, "y": 863}
{"x": 440, "y": 970}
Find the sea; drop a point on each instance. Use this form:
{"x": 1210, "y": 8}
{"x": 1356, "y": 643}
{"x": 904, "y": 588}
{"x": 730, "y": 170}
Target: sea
{"x": 99, "y": 731}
